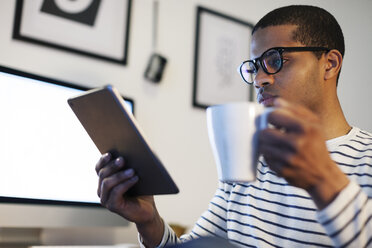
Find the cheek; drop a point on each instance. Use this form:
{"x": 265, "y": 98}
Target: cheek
{"x": 300, "y": 84}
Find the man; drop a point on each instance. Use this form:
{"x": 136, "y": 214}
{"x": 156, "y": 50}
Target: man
{"x": 314, "y": 182}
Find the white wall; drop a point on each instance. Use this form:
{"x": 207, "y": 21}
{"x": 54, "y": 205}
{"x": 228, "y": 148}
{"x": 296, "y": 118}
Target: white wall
{"x": 176, "y": 129}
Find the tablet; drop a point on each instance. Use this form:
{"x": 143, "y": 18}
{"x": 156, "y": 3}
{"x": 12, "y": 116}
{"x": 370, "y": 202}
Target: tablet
{"x": 113, "y": 129}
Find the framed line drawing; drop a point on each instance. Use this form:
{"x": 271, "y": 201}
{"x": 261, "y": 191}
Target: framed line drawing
{"x": 221, "y": 45}
{"x": 95, "y": 28}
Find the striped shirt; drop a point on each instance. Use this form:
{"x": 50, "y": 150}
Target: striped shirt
{"x": 271, "y": 213}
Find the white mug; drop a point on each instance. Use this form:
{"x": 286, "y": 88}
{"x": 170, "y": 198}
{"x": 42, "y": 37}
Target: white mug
{"x": 232, "y": 131}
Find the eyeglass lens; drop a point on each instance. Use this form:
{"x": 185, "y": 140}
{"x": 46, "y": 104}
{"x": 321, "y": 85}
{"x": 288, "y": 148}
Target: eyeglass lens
{"x": 248, "y": 71}
{"x": 270, "y": 60}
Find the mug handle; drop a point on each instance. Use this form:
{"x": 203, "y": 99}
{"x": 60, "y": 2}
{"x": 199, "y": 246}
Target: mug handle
{"x": 261, "y": 123}
{"x": 262, "y": 118}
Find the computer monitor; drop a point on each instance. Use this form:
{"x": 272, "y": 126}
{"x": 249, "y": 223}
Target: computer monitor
{"x": 47, "y": 176}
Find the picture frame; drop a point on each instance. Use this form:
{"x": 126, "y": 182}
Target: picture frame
{"x": 94, "y": 28}
{"x": 221, "y": 45}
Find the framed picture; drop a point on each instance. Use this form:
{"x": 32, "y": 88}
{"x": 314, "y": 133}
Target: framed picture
{"x": 221, "y": 45}
{"x": 96, "y": 28}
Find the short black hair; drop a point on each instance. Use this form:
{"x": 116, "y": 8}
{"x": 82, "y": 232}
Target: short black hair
{"x": 315, "y": 26}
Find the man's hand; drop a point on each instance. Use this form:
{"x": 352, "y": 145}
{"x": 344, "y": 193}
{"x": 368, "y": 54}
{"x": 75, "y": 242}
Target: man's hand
{"x": 114, "y": 181}
{"x": 296, "y": 150}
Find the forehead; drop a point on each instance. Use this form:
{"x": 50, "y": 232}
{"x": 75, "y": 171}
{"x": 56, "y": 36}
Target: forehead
{"x": 272, "y": 36}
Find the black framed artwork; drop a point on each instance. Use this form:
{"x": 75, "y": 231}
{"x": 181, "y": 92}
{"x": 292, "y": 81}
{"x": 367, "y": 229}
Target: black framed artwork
{"x": 95, "y": 28}
{"x": 221, "y": 45}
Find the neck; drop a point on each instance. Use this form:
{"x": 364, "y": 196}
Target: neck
{"x": 333, "y": 119}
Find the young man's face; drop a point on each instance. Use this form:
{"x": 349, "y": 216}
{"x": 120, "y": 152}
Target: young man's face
{"x": 301, "y": 77}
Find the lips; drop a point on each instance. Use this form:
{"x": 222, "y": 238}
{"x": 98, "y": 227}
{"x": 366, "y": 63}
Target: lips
{"x": 266, "y": 99}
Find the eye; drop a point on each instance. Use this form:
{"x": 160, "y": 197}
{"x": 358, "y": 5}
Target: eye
{"x": 272, "y": 61}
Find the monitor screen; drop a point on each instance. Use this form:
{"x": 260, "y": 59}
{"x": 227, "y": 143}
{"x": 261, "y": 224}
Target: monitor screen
{"x": 47, "y": 156}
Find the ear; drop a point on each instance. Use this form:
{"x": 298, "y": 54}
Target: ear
{"x": 333, "y": 63}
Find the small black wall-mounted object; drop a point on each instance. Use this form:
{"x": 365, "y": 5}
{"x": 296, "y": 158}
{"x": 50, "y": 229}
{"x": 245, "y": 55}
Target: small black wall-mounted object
{"x": 155, "y": 68}
{"x": 156, "y": 64}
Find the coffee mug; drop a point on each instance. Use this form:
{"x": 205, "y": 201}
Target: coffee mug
{"x": 232, "y": 131}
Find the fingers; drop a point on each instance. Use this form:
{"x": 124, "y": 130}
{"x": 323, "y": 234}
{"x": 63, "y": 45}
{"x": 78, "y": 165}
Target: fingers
{"x": 107, "y": 169}
{"x": 275, "y": 146}
{"x": 111, "y": 174}
{"x": 295, "y": 147}
{"x": 283, "y": 161}
{"x": 284, "y": 120}
{"x": 115, "y": 186}
{"x": 111, "y": 167}
{"x": 114, "y": 182}
{"x": 291, "y": 118}
{"x": 105, "y": 158}
{"x": 297, "y": 109}
{"x": 279, "y": 145}
{"x": 276, "y": 138}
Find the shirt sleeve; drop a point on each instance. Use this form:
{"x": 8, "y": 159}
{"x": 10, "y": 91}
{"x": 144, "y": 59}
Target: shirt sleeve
{"x": 169, "y": 237}
{"x": 347, "y": 220}
{"x": 211, "y": 223}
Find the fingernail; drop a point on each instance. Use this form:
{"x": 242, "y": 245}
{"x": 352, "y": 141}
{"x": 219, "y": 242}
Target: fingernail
{"x": 106, "y": 157}
{"x": 134, "y": 179}
{"x": 118, "y": 161}
{"x": 129, "y": 172}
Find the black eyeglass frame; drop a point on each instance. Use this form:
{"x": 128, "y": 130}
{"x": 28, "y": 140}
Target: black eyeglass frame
{"x": 280, "y": 50}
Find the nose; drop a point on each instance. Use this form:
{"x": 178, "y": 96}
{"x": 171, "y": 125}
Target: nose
{"x": 263, "y": 79}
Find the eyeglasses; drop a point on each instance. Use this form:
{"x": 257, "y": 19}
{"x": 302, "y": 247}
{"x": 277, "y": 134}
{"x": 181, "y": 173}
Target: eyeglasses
{"x": 271, "y": 61}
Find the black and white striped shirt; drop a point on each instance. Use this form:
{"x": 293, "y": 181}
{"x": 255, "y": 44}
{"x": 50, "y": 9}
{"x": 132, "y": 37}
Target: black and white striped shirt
{"x": 271, "y": 213}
